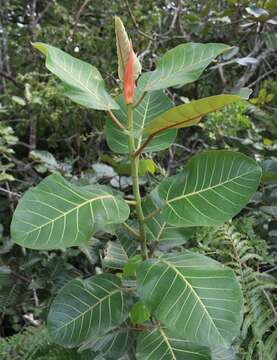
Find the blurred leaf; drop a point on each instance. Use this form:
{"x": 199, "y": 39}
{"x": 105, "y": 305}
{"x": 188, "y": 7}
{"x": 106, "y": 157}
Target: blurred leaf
{"x": 256, "y": 12}
{"x": 248, "y": 60}
{"x": 19, "y": 100}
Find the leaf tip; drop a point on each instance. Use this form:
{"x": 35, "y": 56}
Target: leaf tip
{"x": 40, "y": 47}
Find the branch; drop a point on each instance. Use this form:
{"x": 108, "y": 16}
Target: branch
{"x": 139, "y": 100}
{"x": 244, "y": 79}
{"x": 116, "y": 121}
{"x": 78, "y": 15}
{"x": 131, "y": 230}
{"x": 152, "y": 214}
{"x": 10, "y": 78}
{"x": 150, "y": 137}
{"x": 9, "y": 193}
{"x": 44, "y": 11}
{"x": 135, "y": 22}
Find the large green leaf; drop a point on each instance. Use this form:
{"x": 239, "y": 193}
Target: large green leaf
{"x": 161, "y": 344}
{"x": 214, "y": 187}
{"x": 182, "y": 65}
{"x": 82, "y": 82}
{"x": 86, "y": 309}
{"x": 158, "y": 231}
{"x": 189, "y": 114}
{"x": 153, "y": 104}
{"x": 57, "y": 214}
{"x": 193, "y": 294}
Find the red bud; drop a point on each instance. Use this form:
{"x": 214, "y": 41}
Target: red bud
{"x": 129, "y": 82}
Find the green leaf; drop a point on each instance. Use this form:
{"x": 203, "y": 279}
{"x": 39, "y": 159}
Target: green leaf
{"x": 118, "y": 253}
{"x": 245, "y": 93}
{"x": 86, "y": 309}
{"x": 57, "y": 214}
{"x": 153, "y": 104}
{"x": 158, "y": 230}
{"x": 214, "y": 187}
{"x": 189, "y": 114}
{"x": 82, "y": 82}
{"x": 182, "y": 65}
{"x": 193, "y": 294}
{"x": 112, "y": 345}
{"x": 131, "y": 266}
{"x": 139, "y": 313}
{"x": 161, "y": 344}
{"x": 19, "y": 100}
{"x": 44, "y": 157}
{"x": 146, "y": 166}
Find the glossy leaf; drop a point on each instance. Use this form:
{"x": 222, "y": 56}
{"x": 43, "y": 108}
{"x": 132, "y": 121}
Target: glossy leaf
{"x": 194, "y": 295}
{"x": 160, "y": 344}
{"x": 189, "y": 114}
{"x": 57, "y": 214}
{"x": 82, "y": 82}
{"x": 183, "y": 65}
{"x": 158, "y": 230}
{"x": 153, "y": 104}
{"x": 214, "y": 187}
{"x": 86, "y": 309}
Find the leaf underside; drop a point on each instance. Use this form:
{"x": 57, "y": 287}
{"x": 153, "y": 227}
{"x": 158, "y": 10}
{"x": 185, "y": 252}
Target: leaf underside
{"x": 160, "y": 344}
{"x": 158, "y": 230}
{"x": 86, "y": 309}
{"x": 182, "y": 65}
{"x": 57, "y": 214}
{"x": 214, "y": 187}
{"x": 82, "y": 82}
{"x": 193, "y": 295}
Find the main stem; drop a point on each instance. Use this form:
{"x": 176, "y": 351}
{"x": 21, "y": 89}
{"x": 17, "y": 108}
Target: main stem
{"x": 135, "y": 176}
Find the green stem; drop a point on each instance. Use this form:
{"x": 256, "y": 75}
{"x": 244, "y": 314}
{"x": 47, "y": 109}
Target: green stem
{"x": 135, "y": 175}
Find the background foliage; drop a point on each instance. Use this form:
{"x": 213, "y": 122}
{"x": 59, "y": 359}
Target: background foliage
{"x": 41, "y": 131}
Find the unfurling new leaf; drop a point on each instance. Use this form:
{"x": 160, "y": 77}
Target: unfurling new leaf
{"x": 123, "y": 51}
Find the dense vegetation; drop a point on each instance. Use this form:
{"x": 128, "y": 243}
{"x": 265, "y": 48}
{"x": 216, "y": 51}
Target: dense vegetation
{"x": 42, "y": 132}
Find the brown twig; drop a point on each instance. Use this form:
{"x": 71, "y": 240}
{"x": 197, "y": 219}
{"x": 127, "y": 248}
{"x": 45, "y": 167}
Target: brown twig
{"x": 10, "y": 78}
{"x": 135, "y": 22}
{"x": 131, "y": 230}
{"x": 116, "y": 121}
{"x": 152, "y": 214}
{"x": 150, "y": 137}
{"x": 9, "y": 193}
{"x": 78, "y": 15}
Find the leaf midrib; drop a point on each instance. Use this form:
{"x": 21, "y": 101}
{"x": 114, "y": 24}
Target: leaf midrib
{"x": 174, "y": 268}
{"x": 208, "y": 188}
{"x": 187, "y": 68}
{"x": 167, "y": 343}
{"x": 99, "y": 99}
{"x": 69, "y": 211}
{"x": 90, "y": 308}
